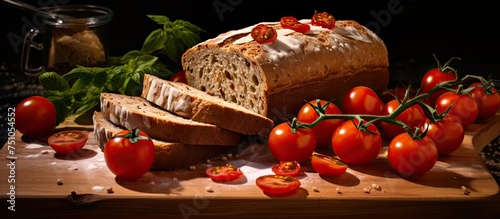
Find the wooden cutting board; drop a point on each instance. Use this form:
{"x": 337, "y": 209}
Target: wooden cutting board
{"x": 459, "y": 186}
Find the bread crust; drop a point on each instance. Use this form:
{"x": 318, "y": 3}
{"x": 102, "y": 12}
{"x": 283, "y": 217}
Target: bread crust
{"x": 294, "y": 63}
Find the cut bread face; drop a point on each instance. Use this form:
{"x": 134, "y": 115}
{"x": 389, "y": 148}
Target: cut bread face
{"x": 136, "y": 112}
{"x": 189, "y": 102}
{"x": 168, "y": 155}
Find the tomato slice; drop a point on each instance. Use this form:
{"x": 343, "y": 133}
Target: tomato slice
{"x": 277, "y": 185}
{"x": 225, "y": 173}
{"x": 328, "y": 166}
{"x": 286, "y": 168}
{"x": 323, "y": 19}
{"x": 264, "y": 34}
{"x": 68, "y": 142}
{"x": 292, "y": 23}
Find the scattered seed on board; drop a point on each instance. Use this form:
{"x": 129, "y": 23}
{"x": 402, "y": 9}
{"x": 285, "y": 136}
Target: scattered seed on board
{"x": 209, "y": 189}
{"x": 59, "y": 182}
{"x": 465, "y": 190}
{"x": 315, "y": 189}
{"x": 110, "y": 190}
{"x": 338, "y": 190}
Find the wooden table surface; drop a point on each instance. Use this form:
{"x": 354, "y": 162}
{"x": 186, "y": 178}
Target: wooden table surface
{"x": 189, "y": 193}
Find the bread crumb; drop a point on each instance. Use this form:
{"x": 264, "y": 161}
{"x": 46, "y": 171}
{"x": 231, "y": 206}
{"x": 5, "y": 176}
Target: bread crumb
{"x": 223, "y": 158}
{"x": 315, "y": 189}
{"x": 44, "y": 152}
{"x": 366, "y": 190}
{"x": 376, "y": 187}
{"x": 192, "y": 167}
{"x": 208, "y": 160}
{"x": 229, "y": 155}
{"x": 209, "y": 189}
{"x": 465, "y": 190}
{"x": 73, "y": 168}
{"x": 338, "y": 190}
{"x": 175, "y": 178}
{"x": 59, "y": 182}
{"x": 97, "y": 188}
{"x": 110, "y": 190}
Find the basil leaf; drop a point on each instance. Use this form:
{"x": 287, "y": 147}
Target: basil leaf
{"x": 154, "y": 41}
{"x": 133, "y": 88}
{"x": 130, "y": 55}
{"x": 53, "y": 81}
{"x": 62, "y": 102}
{"x": 189, "y": 38}
{"x": 188, "y": 25}
{"x": 143, "y": 62}
{"x": 174, "y": 49}
{"x": 160, "y": 19}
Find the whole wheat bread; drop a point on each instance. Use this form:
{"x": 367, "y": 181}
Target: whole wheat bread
{"x": 276, "y": 79}
{"x": 197, "y": 105}
{"x": 168, "y": 155}
{"x": 136, "y": 112}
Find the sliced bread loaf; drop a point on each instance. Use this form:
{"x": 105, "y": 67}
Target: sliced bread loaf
{"x": 168, "y": 155}
{"x": 136, "y": 112}
{"x": 197, "y": 105}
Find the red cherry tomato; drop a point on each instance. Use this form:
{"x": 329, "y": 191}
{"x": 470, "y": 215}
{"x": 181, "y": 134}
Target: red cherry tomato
{"x": 179, "y": 76}
{"x": 362, "y": 100}
{"x": 327, "y": 166}
{"x": 323, "y": 19}
{"x": 488, "y": 102}
{"x": 463, "y": 106}
{"x": 35, "y": 116}
{"x": 287, "y": 146}
{"x": 129, "y": 154}
{"x": 412, "y": 157}
{"x": 447, "y": 133}
{"x": 435, "y": 76}
{"x": 225, "y": 173}
{"x": 286, "y": 168}
{"x": 323, "y": 130}
{"x": 413, "y": 116}
{"x": 355, "y": 146}
{"x": 292, "y": 23}
{"x": 68, "y": 142}
{"x": 277, "y": 185}
{"x": 264, "y": 34}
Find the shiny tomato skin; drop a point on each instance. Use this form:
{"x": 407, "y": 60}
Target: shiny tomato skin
{"x": 126, "y": 159}
{"x": 286, "y": 168}
{"x": 35, "y": 117}
{"x": 328, "y": 166}
{"x": 292, "y": 23}
{"x": 488, "y": 104}
{"x": 264, "y": 34}
{"x": 287, "y": 146}
{"x": 323, "y": 19}
{"x": 323, "y": 130}
{"x": 68, "y": 141}
{"x": 432, "y": 78}
{"x": 463, "y": 106}
{"x": 361, "y": 100}
{"x": 225, "y": 173}
{"x": 413, "y": 116}
{"x": 179, "y": 76}
{"x": 447, "y": 133}
{"x": 277, "y": 185}
{"x": 354, "y": 146}
{"x": 411, "y": 157}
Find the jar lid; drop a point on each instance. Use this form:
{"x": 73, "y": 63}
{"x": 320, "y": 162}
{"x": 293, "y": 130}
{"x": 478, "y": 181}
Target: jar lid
{"x": 79, "y": 15}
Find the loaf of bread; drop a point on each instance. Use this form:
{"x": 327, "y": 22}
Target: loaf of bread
{"x": 136, "y": 112}
{"x": 168, "y": 155}
{"x": 197, "y": 105}
{"x": 276, "y": 79}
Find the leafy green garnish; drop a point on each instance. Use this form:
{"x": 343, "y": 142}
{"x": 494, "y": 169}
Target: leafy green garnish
{"x": 78, "y": 91}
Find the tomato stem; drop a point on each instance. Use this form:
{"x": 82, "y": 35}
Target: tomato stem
{"x": 133, "y": 135}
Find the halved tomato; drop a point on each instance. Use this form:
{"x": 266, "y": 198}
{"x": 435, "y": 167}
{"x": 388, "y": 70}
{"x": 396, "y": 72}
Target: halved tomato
{"x": 292, "y": 23}
{"x": 225, "y": 173}
{"x": 68, "y": 141}
{"x": 286, "y": 168}
{"x": 327, "y": 166}
{"x": 323, "y": 19}
{"x": 277, "y": 185}
{"x": 264, "y": 34}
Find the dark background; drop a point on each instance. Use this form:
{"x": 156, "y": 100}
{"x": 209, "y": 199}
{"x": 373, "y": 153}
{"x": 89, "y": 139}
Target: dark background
{"x": 413, "y": 30}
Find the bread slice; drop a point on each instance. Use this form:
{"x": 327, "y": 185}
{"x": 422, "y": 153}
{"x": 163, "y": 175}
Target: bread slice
{"x": 197, "y": 105}
{"x": 168, "y": 155}
{"x": 136, "y": 112}
{"x": 276, "y": 79}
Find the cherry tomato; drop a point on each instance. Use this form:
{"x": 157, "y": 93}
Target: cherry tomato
{"x": 225, "y": 173}
{"x": 287, "y": 146}
{"x": 277, "y": 185}
{"x": 435, "y": 76}
{"x": 292, "y": 23}
{"x": 129, "y": 154}
{"x": 355, "y": 146}
{"x": 68, "y": 142}
{"x": 286, "y": 168}
{"x": 413, "y": 116}
{"x": 323, "y": 19}
{"x": 488, "y": 102}
{"x": 264, "y": 34}
{"x": 463, "y": 106}
{"x": 35, "y": 117}
{"x": 327, "y": 166}
{"x": 447, "y": 133}
{"x": 362, "y": 100}
{"x": 412, "y": 157}
{"x": 179, "y": 76}
{"x": 323, "y": 130}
